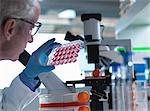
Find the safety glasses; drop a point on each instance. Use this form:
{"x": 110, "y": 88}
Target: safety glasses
{"x": 36, "y": 26}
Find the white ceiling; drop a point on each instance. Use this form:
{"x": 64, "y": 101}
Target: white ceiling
{"x": 52, "y": 24}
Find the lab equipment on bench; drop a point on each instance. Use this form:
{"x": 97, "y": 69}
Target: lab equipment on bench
{"x": 147, "y": 72}
{"x": 60, "y": 102}
{"x": 126, "y": 81}
{"x": 101, "y": 52}
{"x": 140, "y": 88}
{"x": 116, "y": 104}
{"x": 78, "y": 97}
{"x": 71, "y": 108}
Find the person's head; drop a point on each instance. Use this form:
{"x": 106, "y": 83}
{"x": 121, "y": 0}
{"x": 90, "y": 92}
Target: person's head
{"x": 17, "y": 19}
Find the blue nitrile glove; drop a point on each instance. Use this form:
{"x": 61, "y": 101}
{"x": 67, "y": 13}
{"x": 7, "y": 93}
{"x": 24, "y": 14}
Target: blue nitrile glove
{"x": 37, "y": 64}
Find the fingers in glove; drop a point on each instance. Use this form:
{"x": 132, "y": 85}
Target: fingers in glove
{"x": 51, "y": 47}
{"x": 46, "y": 45}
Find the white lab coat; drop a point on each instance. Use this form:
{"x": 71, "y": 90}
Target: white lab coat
{"x": 16, "y": 97}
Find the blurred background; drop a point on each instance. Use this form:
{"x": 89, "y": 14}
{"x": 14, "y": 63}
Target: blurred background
{"x": 121, "y": 19}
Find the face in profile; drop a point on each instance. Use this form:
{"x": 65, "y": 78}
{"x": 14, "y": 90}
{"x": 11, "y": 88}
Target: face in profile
{"x": 17, "y": 34}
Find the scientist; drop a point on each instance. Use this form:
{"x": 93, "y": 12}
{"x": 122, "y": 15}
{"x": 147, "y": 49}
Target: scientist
{"x": 18, "y": 25}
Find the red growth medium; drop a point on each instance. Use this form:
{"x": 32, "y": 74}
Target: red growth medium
{"x": 66, "y": 53}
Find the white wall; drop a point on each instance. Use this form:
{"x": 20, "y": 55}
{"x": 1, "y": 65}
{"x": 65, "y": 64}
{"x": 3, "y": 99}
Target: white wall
{"x": 139, "y": 35}
{"x": 9, "y": 70}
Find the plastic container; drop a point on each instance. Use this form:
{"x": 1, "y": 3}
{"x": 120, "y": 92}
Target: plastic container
{"x": 66, "y": 53}
{"x": 64, "y": 102}
{"x": 75, "y": 108}
{"x": 140, "y": 89}
{"x": 141, "y": 98}
{"x": 114, "y": 79}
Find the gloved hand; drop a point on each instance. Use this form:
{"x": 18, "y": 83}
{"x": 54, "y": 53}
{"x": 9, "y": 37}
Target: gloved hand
{"x": 37, "y": 63}
{"x": 38, "y": 60}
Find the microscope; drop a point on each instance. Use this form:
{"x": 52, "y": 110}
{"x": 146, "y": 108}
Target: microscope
{"x": 100, "y": 52}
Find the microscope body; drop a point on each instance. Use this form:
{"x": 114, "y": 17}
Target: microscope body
{"x": 101, "y": 52}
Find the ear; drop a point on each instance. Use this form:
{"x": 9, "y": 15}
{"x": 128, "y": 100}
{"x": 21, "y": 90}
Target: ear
{"x": 9, "y": 28}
